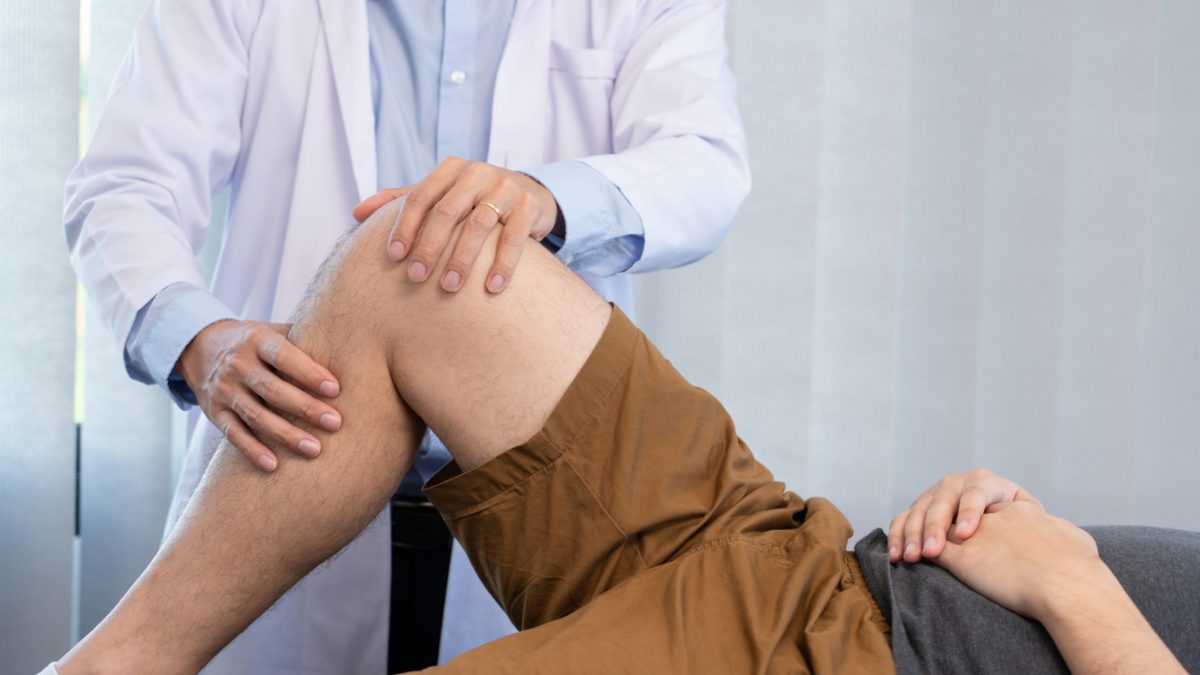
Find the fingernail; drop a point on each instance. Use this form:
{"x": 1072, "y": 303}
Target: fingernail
{"x": 268, "y": 462}
{"x": 910, "y": 550}
{"x": 331, "y": 421}
{"x": 930, "y": 543}
{"x": 451, "y": 280}
{"x": 961, "y": 529}
{"x": 894, "y": 552}
{"x": 309, "y": 446}
{"x": 396, "y": 250}
{"x": 329, "y": 388}
{"x": 496, "y": 283}
{"x": 417, "y": 271}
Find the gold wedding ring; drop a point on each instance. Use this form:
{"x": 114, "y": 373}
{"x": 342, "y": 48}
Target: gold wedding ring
{"x": 494, "y": 208}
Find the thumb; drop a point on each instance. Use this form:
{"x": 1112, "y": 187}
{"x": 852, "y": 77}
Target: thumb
{"x": 371, "y": 204}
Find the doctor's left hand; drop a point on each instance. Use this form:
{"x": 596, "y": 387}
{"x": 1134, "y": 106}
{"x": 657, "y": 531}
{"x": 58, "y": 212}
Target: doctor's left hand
{"x": 469, "y": 198}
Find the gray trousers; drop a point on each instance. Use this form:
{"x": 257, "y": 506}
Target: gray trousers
{"x": 941, "y": 626}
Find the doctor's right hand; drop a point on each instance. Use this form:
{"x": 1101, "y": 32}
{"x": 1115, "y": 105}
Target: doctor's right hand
{"x": 239, "y": 371}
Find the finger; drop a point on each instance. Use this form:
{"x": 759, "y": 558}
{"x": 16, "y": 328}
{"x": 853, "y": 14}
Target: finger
{"x": 970, "y": 508}
{"x": 913, "y": 528}
{"x": 470, "y": 242}
{"x": 371, "y": 204}
{"x": 269, "y": 426}
{"x": 937, "y": 522}
{"x": 512, "y": 243}
{"x": 235, "y": 430}
{"x": 1023, "y": 496}
{"x": 896, "y": 537}
{"x": 985, "y": 488}
{"x": 417, "y": 205}
{"x": 952, "y": 558}
{"x": 290, "y": 360}
{"x": 286, "y": 397}
{"x": 443, "y": 220}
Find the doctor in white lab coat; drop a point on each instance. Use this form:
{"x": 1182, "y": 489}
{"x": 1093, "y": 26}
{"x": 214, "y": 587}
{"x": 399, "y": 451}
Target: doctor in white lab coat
{"x": 273, "y": 99}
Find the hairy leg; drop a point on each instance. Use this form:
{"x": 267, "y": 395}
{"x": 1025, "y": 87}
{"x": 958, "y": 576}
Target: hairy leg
{"x": 483, "y": 371}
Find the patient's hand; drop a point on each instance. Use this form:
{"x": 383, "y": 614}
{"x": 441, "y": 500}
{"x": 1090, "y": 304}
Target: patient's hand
{"x": 959, "y": 499}
{"x": 1047, "y": 569}
{"x": 1024, "y": 558}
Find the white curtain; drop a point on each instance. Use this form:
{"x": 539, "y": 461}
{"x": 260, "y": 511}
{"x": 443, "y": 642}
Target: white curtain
{"x": 39, "y": 141}
{"x": 974, "y": 239}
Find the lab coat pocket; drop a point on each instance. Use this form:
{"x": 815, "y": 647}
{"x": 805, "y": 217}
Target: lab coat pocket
{"x": 581, "y": 86}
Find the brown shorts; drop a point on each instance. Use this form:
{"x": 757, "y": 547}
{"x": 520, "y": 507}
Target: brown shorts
{"x": 635, "y": 533}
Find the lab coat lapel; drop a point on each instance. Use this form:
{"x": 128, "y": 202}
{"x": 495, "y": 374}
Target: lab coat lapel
{"x": 348, "y": 41}
{"x": 519, "y": 107}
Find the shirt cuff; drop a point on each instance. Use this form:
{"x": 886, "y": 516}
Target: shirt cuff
{"x": 604, "y": 233}
{"x": 163, "y": 328}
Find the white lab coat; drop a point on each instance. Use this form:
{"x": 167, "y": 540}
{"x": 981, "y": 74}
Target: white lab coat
{"x": 272, "y": 98}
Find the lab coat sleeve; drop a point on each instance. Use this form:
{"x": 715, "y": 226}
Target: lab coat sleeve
{"x": 679, "y": 147}
{"x": 138, "y": 204}
{"x": 604, "y": 234}
{"x": 162, "y": 329}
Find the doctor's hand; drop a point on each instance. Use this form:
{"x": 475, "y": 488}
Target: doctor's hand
{"x": 239, "y": 371}
{"x": 457, "y": 205}
{"x": 957, "y": 499}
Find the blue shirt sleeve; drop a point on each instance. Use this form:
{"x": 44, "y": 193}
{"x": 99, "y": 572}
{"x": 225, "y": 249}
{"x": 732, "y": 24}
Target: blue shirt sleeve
{"x": 162, "y": 329}
{"x": 604, "y": 234}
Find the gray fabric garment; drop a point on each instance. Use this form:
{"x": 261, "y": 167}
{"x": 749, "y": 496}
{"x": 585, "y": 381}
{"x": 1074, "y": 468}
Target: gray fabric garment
{"x": 941, "y": 626}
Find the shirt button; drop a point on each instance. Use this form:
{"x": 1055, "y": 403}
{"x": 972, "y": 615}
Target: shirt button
{"x": 458, "y": 77}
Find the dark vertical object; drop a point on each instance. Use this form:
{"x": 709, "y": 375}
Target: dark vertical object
{"x": 420, "y": 569}
{"x": 78, "y": 470}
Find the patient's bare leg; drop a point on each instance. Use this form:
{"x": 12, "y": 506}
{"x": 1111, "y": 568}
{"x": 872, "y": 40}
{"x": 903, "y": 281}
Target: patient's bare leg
{"x": 483, "y": 371}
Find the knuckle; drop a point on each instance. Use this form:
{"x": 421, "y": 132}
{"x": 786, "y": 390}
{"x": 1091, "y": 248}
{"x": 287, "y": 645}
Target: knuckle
{"x": 237, "y": 365}
{"x": 506, "y": 183}
{"x": 419, "y": 198}
{"x": 473, "y": 169}
{"x": 479, "y": 220}
{"x": 425, "y": 252}
{"x": 445, "y": 209}
{"x": 511, "y": 236}
{"x": 529, "y": 203}
{"x": 973, "y": 490}
{"x": 270, "y": 349}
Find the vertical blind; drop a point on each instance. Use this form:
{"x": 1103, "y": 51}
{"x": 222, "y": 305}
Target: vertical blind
{"x": 39, "y": 142}
{"x": 973, "y": 240}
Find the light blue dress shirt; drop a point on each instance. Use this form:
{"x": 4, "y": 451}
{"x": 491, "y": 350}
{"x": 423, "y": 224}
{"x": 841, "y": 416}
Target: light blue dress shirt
{"x": 433, "y": 72}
